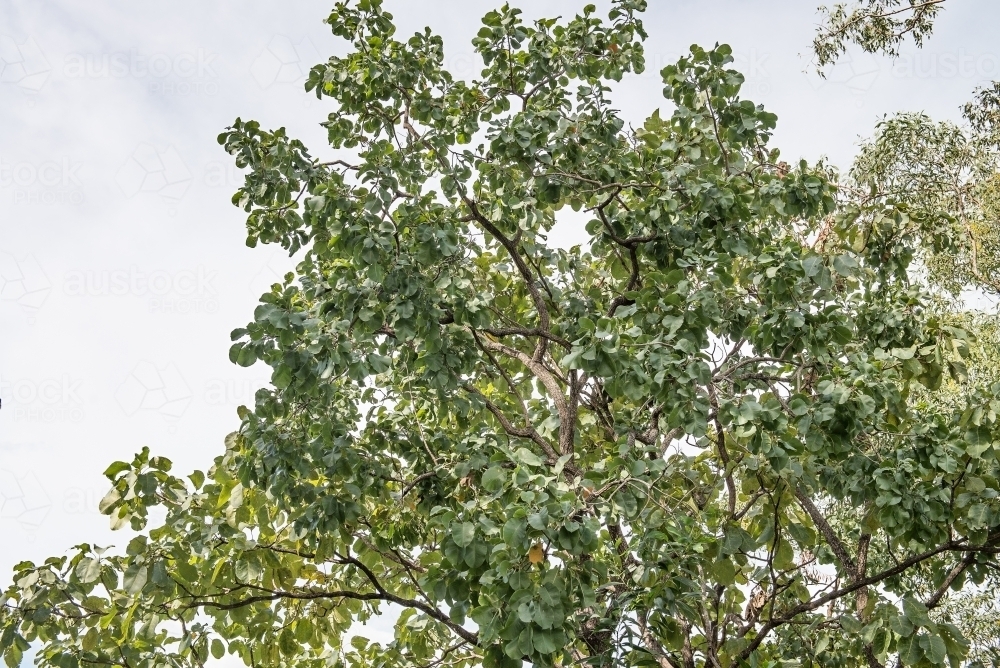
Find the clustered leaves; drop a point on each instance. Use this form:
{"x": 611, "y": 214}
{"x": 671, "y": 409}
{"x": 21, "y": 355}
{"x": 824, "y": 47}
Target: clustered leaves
{"x": 877, "y": 26}
{"x": 937, "y": 183}
{"x": 733, "y": 427}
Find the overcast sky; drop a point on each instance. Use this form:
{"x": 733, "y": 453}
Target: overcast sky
{"x": 122, "y": 262}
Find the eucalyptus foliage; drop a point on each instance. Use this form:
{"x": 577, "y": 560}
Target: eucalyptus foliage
{"x": 710, "y": 435}
{"x": 877, "y": 26}
{"x": 945, "y": 176}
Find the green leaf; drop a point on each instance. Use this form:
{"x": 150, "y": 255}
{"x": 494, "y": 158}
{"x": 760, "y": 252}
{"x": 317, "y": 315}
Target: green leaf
{"x": 287, "y": 643}
{"x": 236, "y": 496}
{"x": 850, "y": 624}
{"x": 915, "y": 612}
{"x": 802, "y": 534}
{"x": 12, "y": 657}
{"x": 379, "y": 363}
{"x": 197, "y": 479}
{"x": 910, "y": 651}
{"x": 901, "y": 625}
{"x": 90, "y": 640}
{"x": 732, "y": 542}
{"x": 724, "y": 571}
{"x": 515, "y": 532}
{"x": 978, "y": 516}
{"x": 109, "y": 501}
{"x": 282, "y": 377}
{"x": 784, "y": 557}
{"x": 936, "y": 651}
{"x": 975, "y": 484}
{"x": 493, "y": 479}
{"x": 845, "y": 265}
{"x": 463, "y": 534}
{"x": 88, "y": 570}
{"x": 135, "y": 578}
{"x": 543, "y": 642}
{"x": 811, "y": 265}
{"x": 527, "y": 457}
{"x": 117, "y": 467}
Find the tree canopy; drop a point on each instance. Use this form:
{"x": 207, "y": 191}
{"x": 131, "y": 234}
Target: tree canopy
{"x": 745, "y": 423}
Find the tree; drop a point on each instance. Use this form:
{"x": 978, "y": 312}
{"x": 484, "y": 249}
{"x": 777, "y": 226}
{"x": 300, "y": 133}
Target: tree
{"x": 946, "y": 174}
{"x": 881, "y": 26}
{"x": 733, "y": 428}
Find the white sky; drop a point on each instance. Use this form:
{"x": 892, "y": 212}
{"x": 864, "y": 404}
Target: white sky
{"x": 122, "y": 262}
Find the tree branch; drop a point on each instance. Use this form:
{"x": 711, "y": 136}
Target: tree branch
{"x": 846, "y": 562}
{"x": 567, "y": 418}
{"x": 312, "y": 595}
{"x": 902, "y": 566}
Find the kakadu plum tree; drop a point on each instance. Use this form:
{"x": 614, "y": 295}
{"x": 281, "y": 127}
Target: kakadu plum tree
{"x": 705, "y": 436}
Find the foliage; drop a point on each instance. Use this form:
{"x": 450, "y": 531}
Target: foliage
{"x": 877, "y": 26}
{"x": 978, "y": 616}
{"x": 945, "y": 178}
{"x": 733, "y": 428}
{"x": 983, "y": 114}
